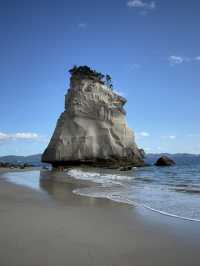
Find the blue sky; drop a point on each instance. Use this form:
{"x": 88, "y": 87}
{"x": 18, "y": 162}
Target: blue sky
{"x": 150, "y": 48}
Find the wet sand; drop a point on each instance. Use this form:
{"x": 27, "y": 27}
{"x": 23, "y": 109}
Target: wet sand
{"x": 54, "y": 227}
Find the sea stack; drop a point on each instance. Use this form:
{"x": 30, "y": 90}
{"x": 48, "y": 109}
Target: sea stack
{"x": 92, "y": 129}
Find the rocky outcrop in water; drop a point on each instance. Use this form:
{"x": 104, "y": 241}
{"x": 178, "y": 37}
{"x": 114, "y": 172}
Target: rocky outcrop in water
{"x": 92, "y": 129}
{"x": 164, "y": 161}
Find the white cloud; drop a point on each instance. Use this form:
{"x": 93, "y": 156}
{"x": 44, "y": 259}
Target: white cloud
{"x": 143, "y": 134}
{"x": 4, "y": 136}
{"x": 82, "y": 25}
{"x": 172, "y": 137}
{"x": 141, "y": 5}
{"x": 19, "y": 136}
{"x": 175, "y": 60}
{"x": 24, "y": 136}
{"x": 135, "y": 3}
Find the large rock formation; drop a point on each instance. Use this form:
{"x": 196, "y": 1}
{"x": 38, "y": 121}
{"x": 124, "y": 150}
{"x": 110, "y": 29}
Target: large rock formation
{"x": 92, "y": 129}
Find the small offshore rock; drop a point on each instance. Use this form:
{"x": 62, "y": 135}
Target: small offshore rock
{"x": 164, "y": 161}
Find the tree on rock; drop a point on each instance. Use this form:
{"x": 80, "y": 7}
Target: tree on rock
{"x": 109, "y": 81}
{"x": 93, "y": 74}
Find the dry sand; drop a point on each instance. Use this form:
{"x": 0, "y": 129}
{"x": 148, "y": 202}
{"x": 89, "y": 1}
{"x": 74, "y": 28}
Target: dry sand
{"x": 54, "y": 227}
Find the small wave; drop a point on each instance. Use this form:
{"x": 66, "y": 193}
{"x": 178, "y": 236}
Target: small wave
{"x": 181, "y": 185}
{"x": 121, "y": 199}
{"x": 170, "y": 214}
{"x": 78, "y": 174}
{"x": 144, "y": 179}
{"x": 97, "y": 177}
{"x": 99, "y": 195}
{"x": 108, "y": 190}
{"x": 188, "y": 190}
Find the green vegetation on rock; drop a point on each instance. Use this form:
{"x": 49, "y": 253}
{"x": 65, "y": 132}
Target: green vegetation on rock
{"x": 93, "y": 74}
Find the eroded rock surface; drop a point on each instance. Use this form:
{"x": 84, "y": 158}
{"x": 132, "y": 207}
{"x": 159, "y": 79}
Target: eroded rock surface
{"x": 92, "y": 129}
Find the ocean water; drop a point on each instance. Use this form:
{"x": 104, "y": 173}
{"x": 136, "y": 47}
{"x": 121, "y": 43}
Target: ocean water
{"x": 171, "y": 190}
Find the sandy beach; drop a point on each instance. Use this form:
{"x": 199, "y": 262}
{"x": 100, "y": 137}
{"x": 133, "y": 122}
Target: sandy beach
{"x": 53, "y": 226}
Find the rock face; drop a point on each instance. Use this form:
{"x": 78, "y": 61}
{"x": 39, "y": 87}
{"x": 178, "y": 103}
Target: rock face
{"x": 164, "y": 161}
{"x": 92, "y": 129}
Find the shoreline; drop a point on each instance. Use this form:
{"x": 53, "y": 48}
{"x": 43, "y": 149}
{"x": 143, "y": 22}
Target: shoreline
{"x": 7, "y": 169}
{"x": 79, "y": 184}
{"x": 61, "y": 228}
